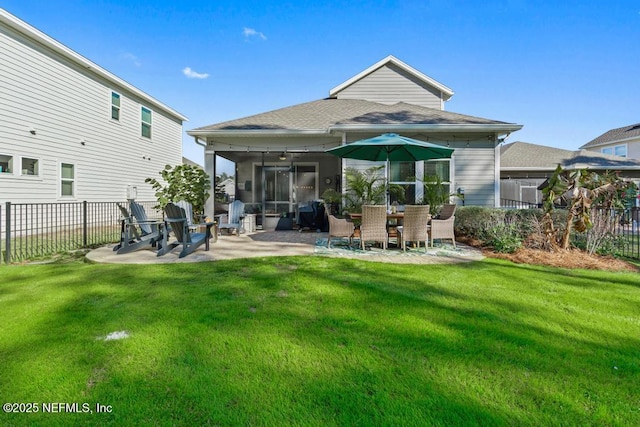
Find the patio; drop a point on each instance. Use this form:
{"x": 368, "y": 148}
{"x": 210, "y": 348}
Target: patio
{"x": 289, "y": 243}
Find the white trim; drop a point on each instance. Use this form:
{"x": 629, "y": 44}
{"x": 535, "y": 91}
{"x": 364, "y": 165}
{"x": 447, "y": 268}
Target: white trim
{"x": 13, "y": 158}
{"x": 446, "y": 92}
{"x": 39, "y": 168}
{"x": 111, "y": 105}
{"x": 150, "y": 123}
{"x": 22, "y": 27}
{"x": 74, "y": 196}
{"x": 496, "y": 177}
{"x": 493, "y": 127}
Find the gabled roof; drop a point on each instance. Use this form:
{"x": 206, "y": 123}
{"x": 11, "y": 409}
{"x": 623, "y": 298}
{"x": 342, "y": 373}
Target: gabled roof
{"x": 615, "y": 135}
{"x": 525, "y": 156}
{"x": 41, "y": 38}
{"x": 446, "y": 92}
{"x": 326, "y": 115}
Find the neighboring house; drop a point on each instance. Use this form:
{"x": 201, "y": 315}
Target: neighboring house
{"x": 623, "y": 142}
{"x": 228, "y": 187}
{"x": 72, "y": 131}
{"x": 280, "y": 155}
{"x": 524, "y": 166}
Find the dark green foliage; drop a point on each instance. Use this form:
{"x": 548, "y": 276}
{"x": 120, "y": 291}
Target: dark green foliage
{"x": 182, "y": 182}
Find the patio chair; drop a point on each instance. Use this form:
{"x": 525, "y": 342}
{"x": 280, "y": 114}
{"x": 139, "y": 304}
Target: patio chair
{"x": 176, "y": 218}
{"x": 374, "y": 225}
{"x": 234, "y": 217}
{"x": 442, "y": 226}
{"x": 340, "y": 228}
{"x": 414, "y": 227}
{"x": 137, "y": 230}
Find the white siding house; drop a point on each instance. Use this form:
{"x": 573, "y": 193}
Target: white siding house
{"x": 72, "y": 131}
{"x": 281, "y": 158}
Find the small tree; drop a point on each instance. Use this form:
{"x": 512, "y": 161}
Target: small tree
{"x": 580, "y": 190}
{"x": 182, "y": 182}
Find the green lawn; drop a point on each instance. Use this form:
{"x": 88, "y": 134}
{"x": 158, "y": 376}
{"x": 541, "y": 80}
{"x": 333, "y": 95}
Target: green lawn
{"x": 321, "y": 341}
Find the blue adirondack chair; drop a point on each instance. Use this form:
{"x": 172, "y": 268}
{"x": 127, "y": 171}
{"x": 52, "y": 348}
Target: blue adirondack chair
{"x": 137, "y": 230}
{"x": 234, "y": 218}
{"x": 176, "y": 219}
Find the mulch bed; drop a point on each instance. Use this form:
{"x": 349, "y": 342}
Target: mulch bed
{"x": 572, "y": 258}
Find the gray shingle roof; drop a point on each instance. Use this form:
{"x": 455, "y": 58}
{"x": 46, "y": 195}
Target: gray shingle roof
{"x": 614, "y": 135}
{"x": 322, "y": 114}
{"x": 523, "y": 155}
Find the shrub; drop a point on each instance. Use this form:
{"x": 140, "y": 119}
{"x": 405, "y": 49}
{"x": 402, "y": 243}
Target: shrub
{"x": 504, "y": 238}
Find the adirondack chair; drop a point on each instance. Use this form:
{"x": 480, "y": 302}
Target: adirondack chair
{"x": 176, "y": 218}
{"x": 137, "y": 230}
{"x": 234, "y": 218}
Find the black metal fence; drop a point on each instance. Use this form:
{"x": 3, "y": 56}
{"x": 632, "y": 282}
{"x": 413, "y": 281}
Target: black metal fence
{"x": 34, "y": 230}
{"x": 518, "y": 204}
{"x": 616, "y": 230}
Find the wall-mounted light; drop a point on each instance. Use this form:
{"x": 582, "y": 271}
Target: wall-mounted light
{"x": 283, "y": 156}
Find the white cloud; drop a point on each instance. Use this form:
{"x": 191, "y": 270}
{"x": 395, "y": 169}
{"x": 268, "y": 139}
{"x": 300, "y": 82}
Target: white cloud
{"x": 131, "y": 58}
{"x": 194, "y": 75}
{"x": 250, "y": 32}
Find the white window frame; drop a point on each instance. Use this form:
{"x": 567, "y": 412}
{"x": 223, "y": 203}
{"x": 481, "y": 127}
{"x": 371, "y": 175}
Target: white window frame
{"x": 112, "y": 105}
{"x": 613, "y": 148}
{"x": 37, "y": 161}
{"x": 143, "y": 123}
{"x": 12, "y": 162}
{"x": 73, "y": 180}
{"x": 451, "y": 174}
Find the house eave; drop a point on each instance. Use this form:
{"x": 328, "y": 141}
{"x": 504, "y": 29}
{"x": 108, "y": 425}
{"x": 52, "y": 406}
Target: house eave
{"x": 500, "y": 128}
{"x": 39, "y": 37}
{"x": 258, "y": 132}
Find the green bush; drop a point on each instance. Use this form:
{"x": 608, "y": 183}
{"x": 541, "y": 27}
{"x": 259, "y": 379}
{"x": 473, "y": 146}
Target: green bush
{"x": 504, "y": 238}
{"x": 504, "y": 229}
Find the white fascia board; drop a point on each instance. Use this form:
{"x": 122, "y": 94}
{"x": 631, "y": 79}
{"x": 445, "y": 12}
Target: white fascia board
{"x": 446, "y": 92}
{"x": 34, "y": 34}
{"x": 257, "y": 132}
{"x": 430, "y": 127}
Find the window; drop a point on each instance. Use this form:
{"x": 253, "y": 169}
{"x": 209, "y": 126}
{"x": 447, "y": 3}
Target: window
{"x": 618, "y": 150}
{"x": 29, "y": 166}
{"x": 6, "y": 164}
{"x": 146, "y": 122}
{"x": 67, "y": 179}
{"x": 403, "y": 174}
{"x": 115, "y": 106}
{"x": 439, "y": 169}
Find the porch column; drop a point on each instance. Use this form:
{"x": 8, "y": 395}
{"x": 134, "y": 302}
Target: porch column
{"x": 210, "y": 169}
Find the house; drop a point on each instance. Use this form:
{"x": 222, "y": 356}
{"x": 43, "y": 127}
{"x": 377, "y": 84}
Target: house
{"x": 72, "y": 131}
{"x": 524, "y": 166}
{"x": 623, "y": 142}
{"x": 280, "y": 155}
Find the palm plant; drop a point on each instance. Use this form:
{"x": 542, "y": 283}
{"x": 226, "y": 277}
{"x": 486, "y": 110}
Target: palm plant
{"x": 363, "y": 187}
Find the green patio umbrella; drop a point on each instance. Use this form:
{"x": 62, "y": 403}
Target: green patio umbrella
{"x": 391, "y": 147}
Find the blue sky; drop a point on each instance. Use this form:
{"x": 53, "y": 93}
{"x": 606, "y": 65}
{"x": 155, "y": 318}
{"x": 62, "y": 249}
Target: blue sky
{"x": 566, "y": 70}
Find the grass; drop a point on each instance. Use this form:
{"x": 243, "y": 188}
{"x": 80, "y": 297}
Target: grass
{"x": 321, "y": 341}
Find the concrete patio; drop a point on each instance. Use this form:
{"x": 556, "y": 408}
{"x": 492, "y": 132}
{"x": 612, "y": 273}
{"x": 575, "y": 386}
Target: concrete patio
{"x": 284, "y": 243}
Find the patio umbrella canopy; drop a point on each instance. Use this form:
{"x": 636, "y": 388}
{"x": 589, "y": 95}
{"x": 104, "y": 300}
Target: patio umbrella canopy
{"x": 391, "y": 147}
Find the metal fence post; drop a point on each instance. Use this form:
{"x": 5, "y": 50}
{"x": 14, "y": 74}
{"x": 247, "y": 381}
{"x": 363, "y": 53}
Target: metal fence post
{"x": 7, "y": 240}
{"x": 84, "y": 224}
